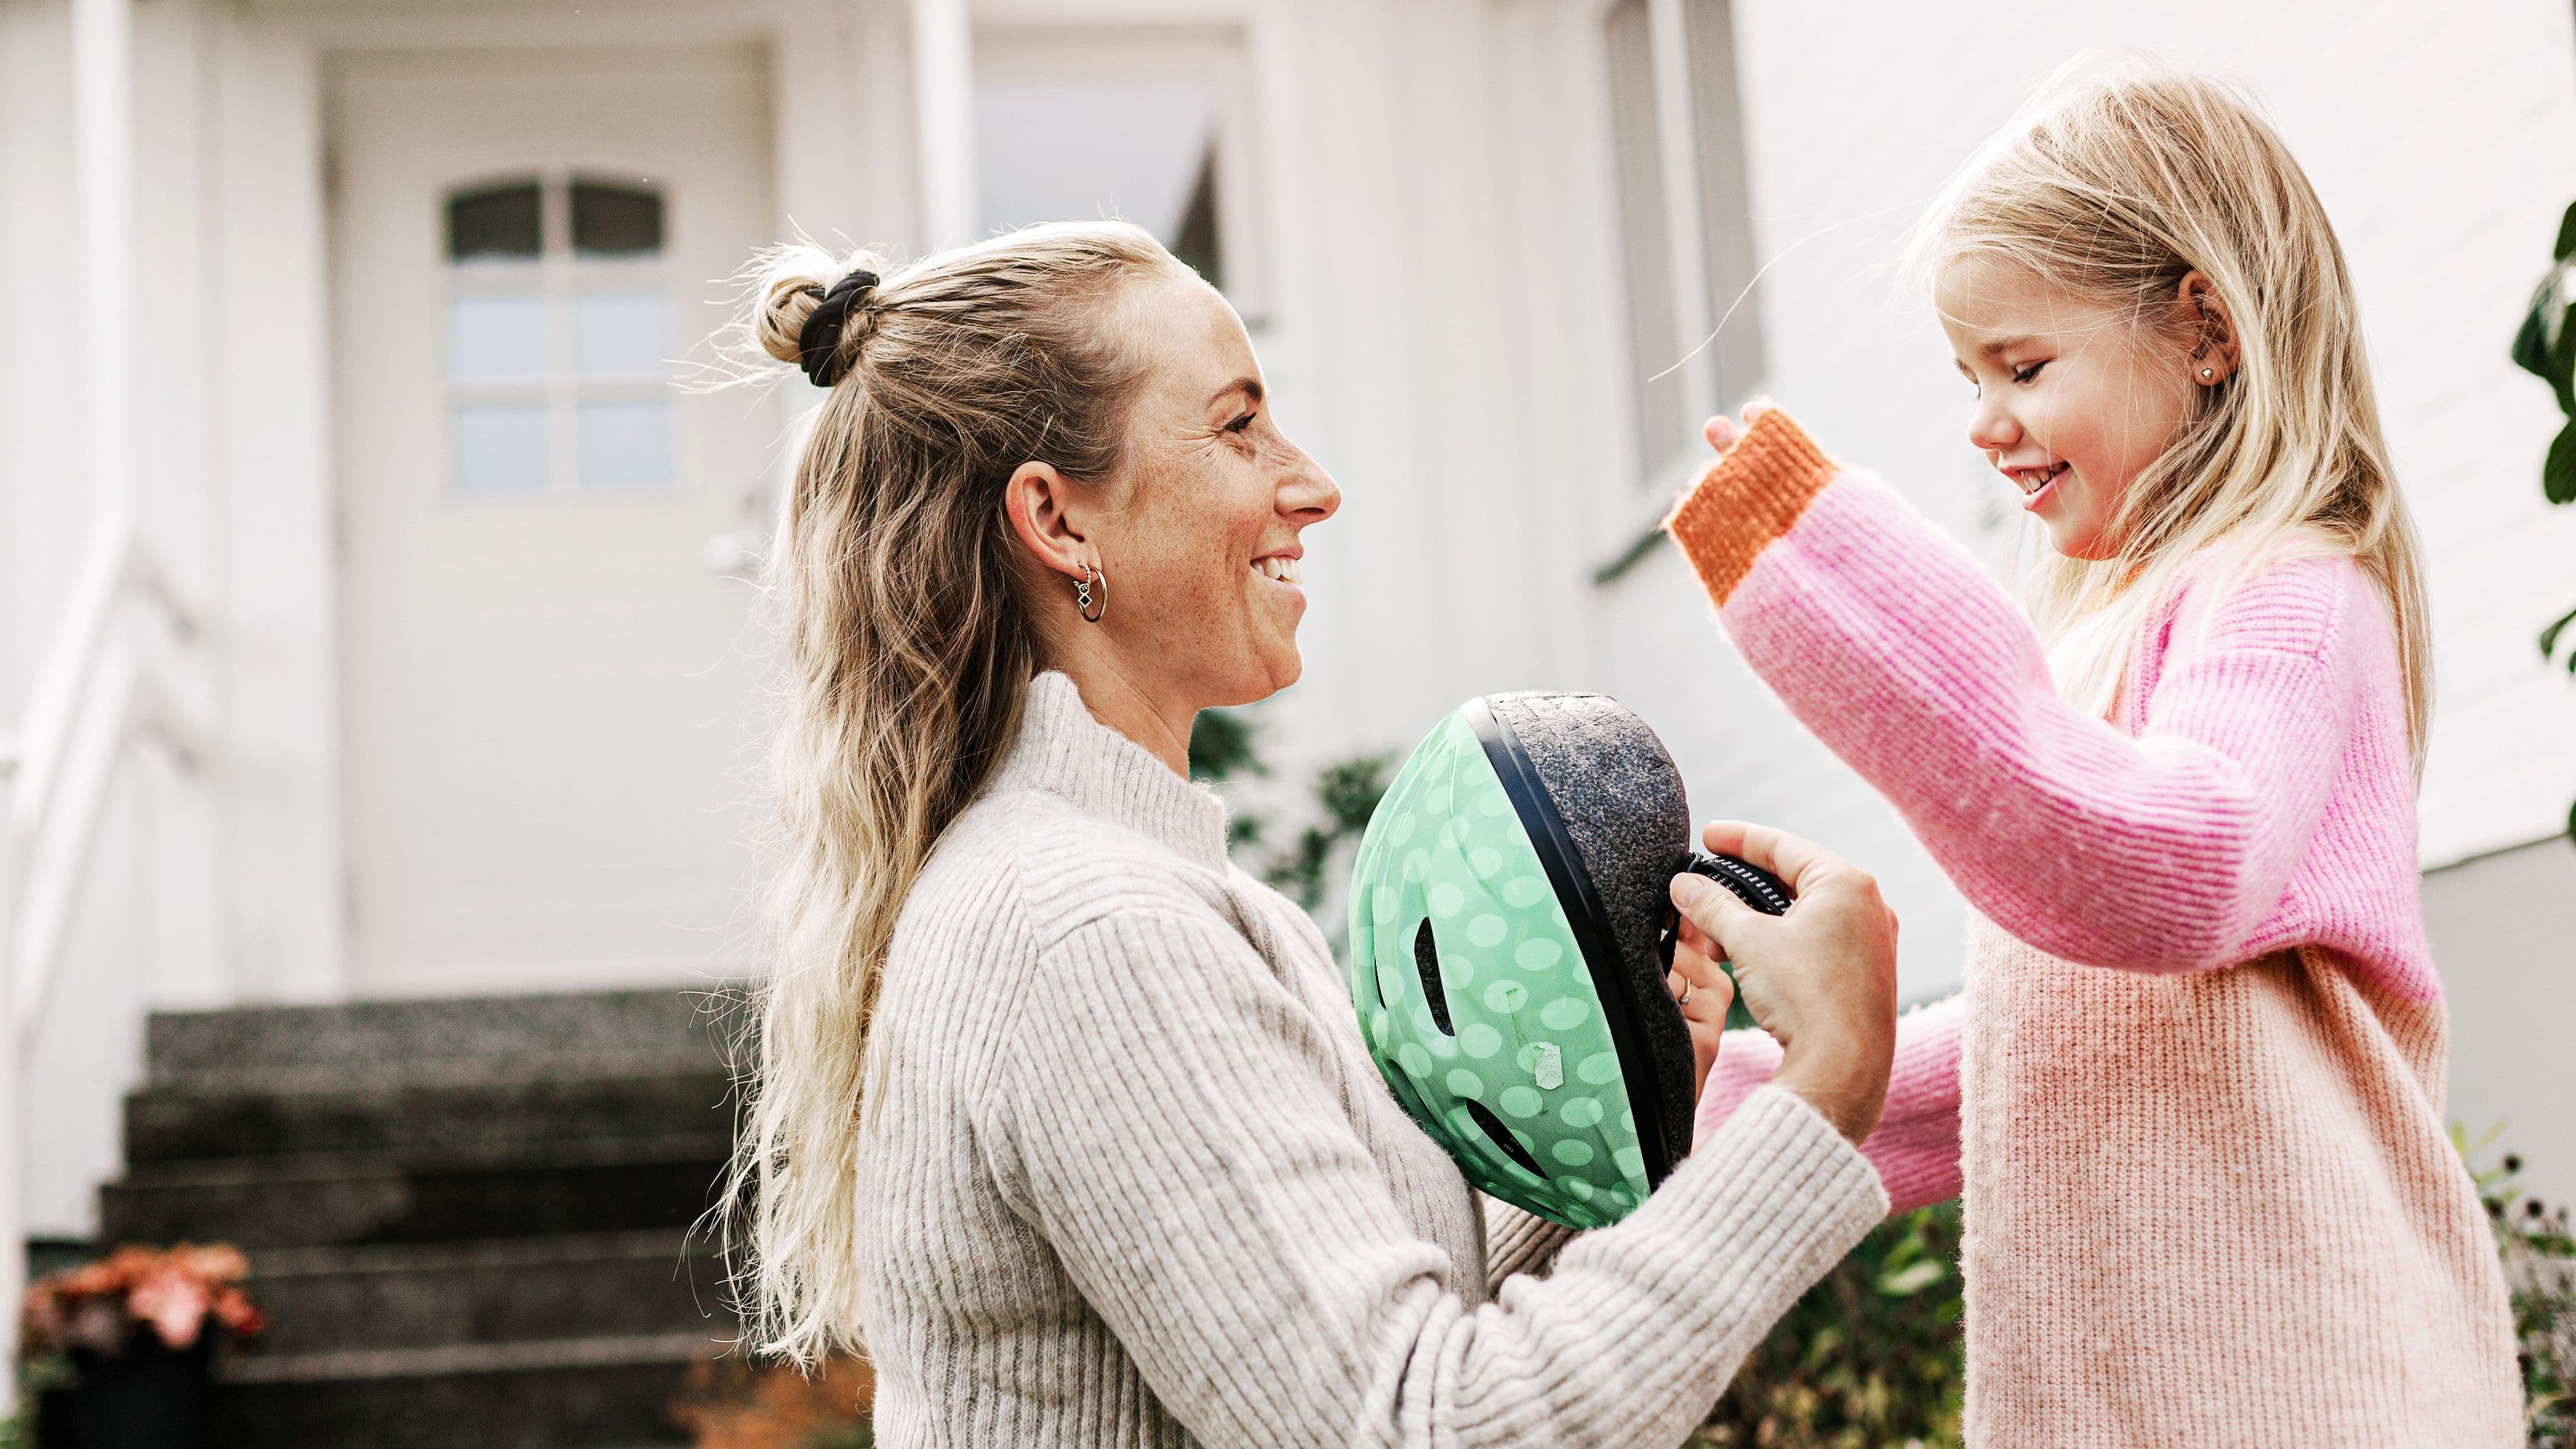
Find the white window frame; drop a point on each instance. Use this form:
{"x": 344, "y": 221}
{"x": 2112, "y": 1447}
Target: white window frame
{"x": 1219, "y": 56}
{"x": 1705, "y": 239}
{"x": 562, "y": 279}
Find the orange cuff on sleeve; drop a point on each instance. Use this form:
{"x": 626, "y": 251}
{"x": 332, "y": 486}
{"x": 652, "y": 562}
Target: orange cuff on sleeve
{"x": 1746, "y": 499}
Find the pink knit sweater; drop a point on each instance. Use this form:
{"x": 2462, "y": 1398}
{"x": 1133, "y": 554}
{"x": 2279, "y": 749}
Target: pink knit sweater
{"x": 2208, "y": 1192}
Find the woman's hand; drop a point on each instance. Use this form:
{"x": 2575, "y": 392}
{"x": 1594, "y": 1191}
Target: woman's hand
{"x": 1821, "y": 979}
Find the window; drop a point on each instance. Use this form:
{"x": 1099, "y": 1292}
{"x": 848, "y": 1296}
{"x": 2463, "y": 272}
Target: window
{"x": 558, "y": 339}
{"x": 1073, "y": 127}
{"x": 1677, "y": 132}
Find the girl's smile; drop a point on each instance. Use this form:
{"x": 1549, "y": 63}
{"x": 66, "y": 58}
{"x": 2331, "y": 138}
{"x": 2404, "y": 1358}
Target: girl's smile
{"x": 2074, "y": 398}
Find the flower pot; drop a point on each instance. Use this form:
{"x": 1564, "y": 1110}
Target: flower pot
{"x": 151, "y": 1396}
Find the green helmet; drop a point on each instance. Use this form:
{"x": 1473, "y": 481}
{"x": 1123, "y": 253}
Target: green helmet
{"x": 1510, "y": 936}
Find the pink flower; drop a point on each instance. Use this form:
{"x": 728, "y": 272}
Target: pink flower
{"x": 174, "y": 1302}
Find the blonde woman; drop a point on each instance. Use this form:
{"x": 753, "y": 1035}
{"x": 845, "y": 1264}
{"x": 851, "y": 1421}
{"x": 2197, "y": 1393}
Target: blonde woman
{"x": 2193, "y": 1089}
{"x": 1064, "y": 1120}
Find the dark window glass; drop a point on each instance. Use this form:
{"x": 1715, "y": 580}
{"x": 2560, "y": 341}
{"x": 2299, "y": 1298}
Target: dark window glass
{"x": 617, "y": 221}
{"x": 498, "y": 221}
{"x": 1195, "y": 244}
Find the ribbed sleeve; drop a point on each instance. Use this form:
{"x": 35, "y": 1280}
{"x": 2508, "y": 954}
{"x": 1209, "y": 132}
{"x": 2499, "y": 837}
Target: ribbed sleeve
{"x": 1133, "y": 1178}
{"x": 1176, "y": 1113}
{"x": 2168, "y": 851}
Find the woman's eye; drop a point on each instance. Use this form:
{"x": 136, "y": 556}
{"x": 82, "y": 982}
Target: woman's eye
{"x": 1242, "y": 423}
{"x": 2025, "y": 374}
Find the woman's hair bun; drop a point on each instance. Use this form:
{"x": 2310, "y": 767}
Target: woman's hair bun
{"x": 794, "y": 281}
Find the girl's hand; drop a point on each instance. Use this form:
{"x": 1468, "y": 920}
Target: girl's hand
{"x": 1703, "y": 993}
{"x": 1821, "y": 979}
{"x": 1723, "y": 432}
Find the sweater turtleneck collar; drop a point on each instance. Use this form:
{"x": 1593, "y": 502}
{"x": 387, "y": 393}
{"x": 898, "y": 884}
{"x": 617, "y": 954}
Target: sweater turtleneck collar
{"x": 1062, "y": 750}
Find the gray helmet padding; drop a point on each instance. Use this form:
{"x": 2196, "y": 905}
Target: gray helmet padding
{"x": 1621, "y": 800}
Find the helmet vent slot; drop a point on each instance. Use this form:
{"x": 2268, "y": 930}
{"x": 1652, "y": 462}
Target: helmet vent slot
{"x": 1503, "y": 1136}
{"x": 1426, "y": 960}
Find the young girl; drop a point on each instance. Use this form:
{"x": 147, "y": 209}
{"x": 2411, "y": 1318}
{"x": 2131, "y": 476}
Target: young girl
{"x": 2193, "y": 1090}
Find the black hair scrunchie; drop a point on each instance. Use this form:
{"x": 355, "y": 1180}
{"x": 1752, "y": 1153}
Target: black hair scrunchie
{"x": 818, "y": 342}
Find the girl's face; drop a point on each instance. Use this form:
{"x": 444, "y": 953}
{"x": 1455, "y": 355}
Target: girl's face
{"x": 2074, "y": 398}
{"x": 1203, "y": 545}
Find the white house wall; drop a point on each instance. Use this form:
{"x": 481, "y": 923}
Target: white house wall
{"x": 2443, "y": 141}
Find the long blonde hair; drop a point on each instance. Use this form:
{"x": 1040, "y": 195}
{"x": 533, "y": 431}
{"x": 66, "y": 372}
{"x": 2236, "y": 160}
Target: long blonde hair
{"x": 907, "y": 654}
{"x": 2115, "y": 189}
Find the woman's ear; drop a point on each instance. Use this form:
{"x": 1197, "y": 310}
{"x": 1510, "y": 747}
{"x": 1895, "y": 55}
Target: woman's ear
{"x": 2214, "y": 355}
{"x": 1039, "y": 501}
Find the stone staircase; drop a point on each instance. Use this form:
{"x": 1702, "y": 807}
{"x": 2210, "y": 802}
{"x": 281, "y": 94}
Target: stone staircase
{"x": 468, "y": 1220}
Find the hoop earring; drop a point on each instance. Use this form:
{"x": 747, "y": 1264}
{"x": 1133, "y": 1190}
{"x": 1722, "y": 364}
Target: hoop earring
{"x": 1082, "y": 602}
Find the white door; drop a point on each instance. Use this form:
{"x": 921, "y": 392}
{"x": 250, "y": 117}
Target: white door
{"x": 548, "y": 685}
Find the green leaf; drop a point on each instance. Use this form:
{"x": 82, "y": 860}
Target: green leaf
{"x": 2558, "y": 473}
{"x": 2562, "y": 343}
{"x": 2531, "y": 339}
{"x": 1221, "y": 747}
{"x": 1908, "y": 1281}
{"x": 2567, "y": 234}
{"x": 2549, "y": 636}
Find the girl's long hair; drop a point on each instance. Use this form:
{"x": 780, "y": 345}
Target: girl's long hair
{"x": 2116, "y": 189}
{"x": 906, "y": 652}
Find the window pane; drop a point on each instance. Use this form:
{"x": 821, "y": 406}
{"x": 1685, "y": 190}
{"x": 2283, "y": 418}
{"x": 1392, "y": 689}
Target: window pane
{"x": 1725, "y": 209}
{"x": 621, "y": 335}
{"x": 615, "y": 221}
{"x": 499, "y": 221}
{"x": 1078, "y": 148}
{"x": 498, "y": 448}
{"x": 625, "y": 445}
{"x": 1654, "y": 336}
{"x": 496, "y": 339}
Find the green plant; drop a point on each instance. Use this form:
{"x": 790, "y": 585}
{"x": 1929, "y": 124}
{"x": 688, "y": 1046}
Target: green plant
{"x": 1870, "y": 1356}
{"x": 2539, "y": 1256}
{"x": 1345, "y": 793}
{"x": 2545, "y": 347}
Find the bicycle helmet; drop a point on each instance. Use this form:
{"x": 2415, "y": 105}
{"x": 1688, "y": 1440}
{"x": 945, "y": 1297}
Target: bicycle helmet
{"x": 1510, "y": 938}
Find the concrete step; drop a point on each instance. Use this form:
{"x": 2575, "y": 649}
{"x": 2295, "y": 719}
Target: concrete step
{"x": 304, "y": 1047}
{"x": 416, "y": 1120}
{"x": 430, "y": 1295}
{"x": 610, "y": 1392}
{"x": 326, "y": 1199}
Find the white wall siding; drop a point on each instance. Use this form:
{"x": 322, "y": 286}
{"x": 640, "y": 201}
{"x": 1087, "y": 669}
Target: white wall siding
{"x": 2444, "y": 145}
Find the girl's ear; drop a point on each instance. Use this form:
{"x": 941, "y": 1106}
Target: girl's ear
{"x": 2214, "y": 354}
{"x": 1039, "y": 501}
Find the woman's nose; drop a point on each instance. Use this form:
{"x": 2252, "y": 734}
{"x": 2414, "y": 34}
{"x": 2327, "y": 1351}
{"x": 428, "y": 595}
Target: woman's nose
{"x": 1309, "y": 494}
{"x": 1991, "y": 429}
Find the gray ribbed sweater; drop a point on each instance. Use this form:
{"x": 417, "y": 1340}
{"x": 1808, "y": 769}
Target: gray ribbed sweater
{"x": 1132, "y": 1178}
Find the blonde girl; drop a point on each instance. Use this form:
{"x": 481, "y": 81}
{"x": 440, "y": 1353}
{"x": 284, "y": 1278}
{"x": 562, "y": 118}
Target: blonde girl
{"x": 2193, "y": 1090}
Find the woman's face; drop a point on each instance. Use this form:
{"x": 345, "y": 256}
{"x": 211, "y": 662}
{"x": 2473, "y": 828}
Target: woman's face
{"x": 1201, "y": 538}
{"x": 2074, "y": 399}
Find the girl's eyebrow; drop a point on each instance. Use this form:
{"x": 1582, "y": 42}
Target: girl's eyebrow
{"x": 2002, "y": 345}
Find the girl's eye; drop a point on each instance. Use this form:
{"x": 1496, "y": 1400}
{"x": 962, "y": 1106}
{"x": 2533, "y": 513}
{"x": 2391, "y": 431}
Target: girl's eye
{"x": 2025, "y": 374}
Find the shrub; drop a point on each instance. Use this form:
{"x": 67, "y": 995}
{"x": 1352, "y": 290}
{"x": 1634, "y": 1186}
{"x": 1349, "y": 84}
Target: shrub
{"x": 1871, "y": 1355}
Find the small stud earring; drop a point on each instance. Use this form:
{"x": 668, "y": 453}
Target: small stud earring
{"x": 2207, "y": 373}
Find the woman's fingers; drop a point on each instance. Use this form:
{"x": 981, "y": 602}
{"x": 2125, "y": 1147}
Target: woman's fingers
{"x": 1798, "y": 862}
{"x": 1714, "y": 910}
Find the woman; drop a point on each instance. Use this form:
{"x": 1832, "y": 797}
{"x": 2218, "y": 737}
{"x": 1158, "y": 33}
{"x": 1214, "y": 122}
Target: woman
{"x": 1065, "y": 1118}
